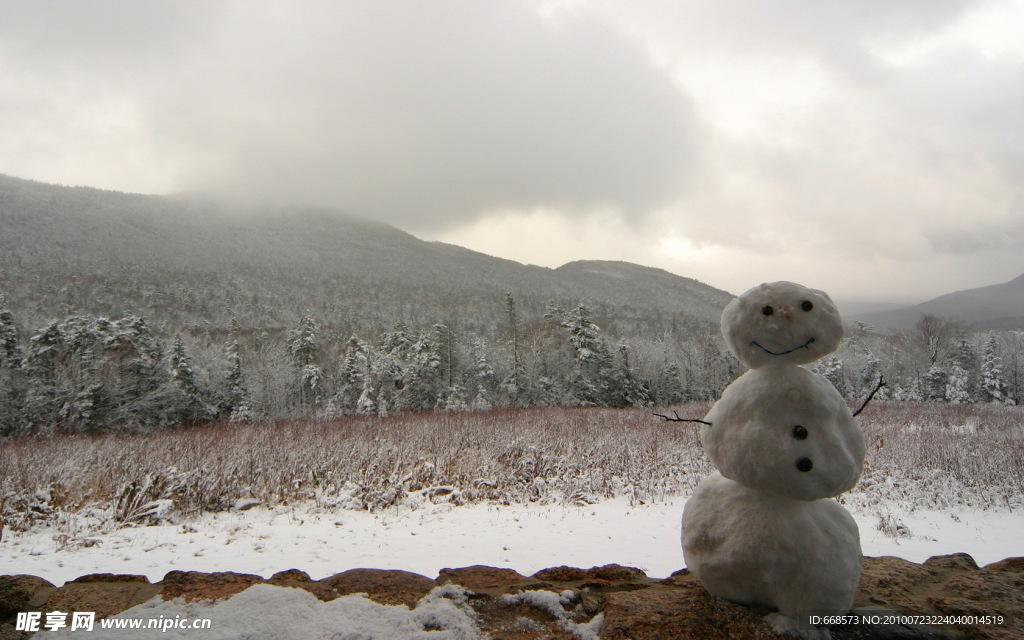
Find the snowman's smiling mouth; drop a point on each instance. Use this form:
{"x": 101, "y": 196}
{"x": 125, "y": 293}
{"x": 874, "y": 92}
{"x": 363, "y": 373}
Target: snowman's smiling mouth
{"x": 782, "y": 353}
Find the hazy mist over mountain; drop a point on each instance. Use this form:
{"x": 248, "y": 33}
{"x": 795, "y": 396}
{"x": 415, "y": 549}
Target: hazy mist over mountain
{"x": 199, "y": 261}
{"x": 868, "y": 149}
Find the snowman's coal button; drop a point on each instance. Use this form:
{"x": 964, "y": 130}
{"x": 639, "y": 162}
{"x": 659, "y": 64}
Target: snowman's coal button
{"x": 767, "y": 310}
{"x": 804, "y": 464}
{"x": 800, "y": 433}
{"x": 806, "y": 305}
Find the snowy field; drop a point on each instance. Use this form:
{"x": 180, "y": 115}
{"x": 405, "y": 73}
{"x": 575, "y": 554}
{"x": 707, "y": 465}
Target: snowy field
{"x": 523, "y": 490}
{"x": 425, "y": 540}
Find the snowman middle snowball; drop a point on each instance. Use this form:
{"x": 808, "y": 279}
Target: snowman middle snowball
{"x": 762, "y": 529}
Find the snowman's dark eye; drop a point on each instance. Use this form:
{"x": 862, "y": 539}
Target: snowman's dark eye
{"x": 804, "y": 464}
{"x": 800, "y": 433}
{"x": 766, "y": 310}
{"x": 806, "y": 305}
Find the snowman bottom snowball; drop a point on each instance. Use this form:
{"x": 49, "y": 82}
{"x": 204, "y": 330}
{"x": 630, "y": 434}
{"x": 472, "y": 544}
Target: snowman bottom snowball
{"x": 749, "y": 547}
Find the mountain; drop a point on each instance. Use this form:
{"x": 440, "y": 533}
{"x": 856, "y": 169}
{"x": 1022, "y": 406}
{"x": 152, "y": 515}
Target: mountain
{"x": 199, "y": 264}
{"x": 855, "y": 308}
{"x": 998, "y": 306}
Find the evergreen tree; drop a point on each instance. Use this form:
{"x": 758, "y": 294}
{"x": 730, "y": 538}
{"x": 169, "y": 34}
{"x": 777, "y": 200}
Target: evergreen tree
{"x": 513, "y": 382}
{"x": 591, "y": 365}
{"x": 625, "y": 389}
{"x": 832, "y": 368}
{"x": 304, "y": 350}
{"x": 993, "y": 386}
{"x": 453, "y": 398}
{"x": 425, "y": 372}
{"x": 483, "y": 377}
{"x": 89, "y": 373}
{"x": 181, "y": 369}
{"x": 935, "y": 381}
{"x": 353, "y": 373}
{"x": 667, "y": 388}
{"x": 238, "y": 403}
{"x": 868, "y": 378}
{"x": 10, "y": 348}
{"x": 12, "y": 376}
{"x": 960, "y": 384}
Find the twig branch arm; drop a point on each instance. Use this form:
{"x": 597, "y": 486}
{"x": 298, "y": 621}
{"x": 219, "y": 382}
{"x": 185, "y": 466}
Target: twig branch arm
{"x": 676, "y": 418}
{"x": 881, "y": 383}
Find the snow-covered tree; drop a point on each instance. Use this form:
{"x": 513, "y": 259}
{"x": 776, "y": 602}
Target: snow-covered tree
{"x": 512, "y": 382}
{"x": 186, "y": 402}
{"x": 667, "y": 388}
{"x": 484, "y": 378}
{"x": 993, "y": 386}
{"x": 591, "y": 361}
{"x": 625, "y": 389}
{"x": 354, "y": 371}
{"x": 935, "y": 381}
{"x": 12, "y": 376}
{"x": 831, "y": 367}
{"x": 10, "y": 348}
{"x": 960, "y": 384}
{"x": 238, "y": 403}
{"x": 181, "y": 369}
{"x": 88, "y": 373}
{"x": 304, "y": 350}
{"x": 453, "y": 398}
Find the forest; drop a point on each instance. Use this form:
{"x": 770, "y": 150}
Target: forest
{"x": 85, "y": 373}
{"x": 138, "y": 313}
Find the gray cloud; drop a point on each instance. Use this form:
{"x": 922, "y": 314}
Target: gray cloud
{"x": 433, "y": 115}
{"x": 420, "y": 114}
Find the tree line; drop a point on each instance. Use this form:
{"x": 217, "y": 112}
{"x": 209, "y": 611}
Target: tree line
{"x": 86, "y": 373}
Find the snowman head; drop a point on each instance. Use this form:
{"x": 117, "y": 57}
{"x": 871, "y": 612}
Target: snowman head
{"x": 781, "y": 322}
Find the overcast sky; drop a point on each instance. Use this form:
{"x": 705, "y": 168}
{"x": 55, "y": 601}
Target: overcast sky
{"x": 871, "y": 148}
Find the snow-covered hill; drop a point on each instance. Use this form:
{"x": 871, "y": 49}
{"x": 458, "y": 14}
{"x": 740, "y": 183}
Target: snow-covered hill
{"x": 194, "y": 261}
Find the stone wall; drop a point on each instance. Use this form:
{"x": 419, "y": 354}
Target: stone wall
{"x": 634, "y": 606}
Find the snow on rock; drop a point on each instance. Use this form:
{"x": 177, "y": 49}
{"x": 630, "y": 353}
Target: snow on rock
{"x": 554, "y": 605}
{"x": 267, "y": 612}
{"x": 564, "y": 603}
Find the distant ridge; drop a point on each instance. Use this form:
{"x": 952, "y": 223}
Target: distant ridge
{"x": 998, "y": 306}
{"x": 196, "y": 262}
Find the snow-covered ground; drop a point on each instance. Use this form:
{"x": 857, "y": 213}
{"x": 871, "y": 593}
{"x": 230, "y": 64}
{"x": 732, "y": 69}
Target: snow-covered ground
{"x": 426, "y": 539}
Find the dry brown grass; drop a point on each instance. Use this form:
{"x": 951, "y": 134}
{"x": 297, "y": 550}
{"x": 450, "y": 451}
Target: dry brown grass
{"x": 930, "y": 455}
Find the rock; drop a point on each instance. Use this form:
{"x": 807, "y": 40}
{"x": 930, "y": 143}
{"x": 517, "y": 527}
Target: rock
{"x": 596, "y": 577}
{"x": 103, "y": 593}
{"x": 955, "y": 561}
{"x": 1013, "y": 565}
{"x": 633, "y": 605}
{"x": 17, "y": 593}
{"x": 683, "y": 610}
{"x": 193, "y": 585}
{"x": 996, "y": 590}
{"x": 300, "y": 580}
{"x": 890, "y": 582}
{"x": 382, "y": 586}
{"x": 289, "y": 576}
{"x": 481, "y": 579}
{"x": 244, "y": 504}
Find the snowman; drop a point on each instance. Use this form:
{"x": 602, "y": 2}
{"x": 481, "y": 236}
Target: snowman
{"x": 763, "y": 529}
